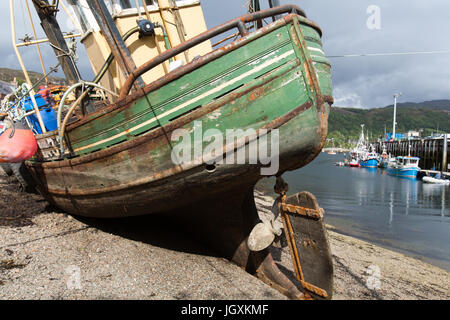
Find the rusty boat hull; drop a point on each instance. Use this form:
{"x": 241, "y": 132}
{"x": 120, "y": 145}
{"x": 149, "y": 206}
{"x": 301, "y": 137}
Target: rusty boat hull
{"x": 151, "y": 194}
{"x": 290, "y": 91}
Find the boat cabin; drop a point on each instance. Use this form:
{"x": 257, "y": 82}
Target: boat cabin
{"x": 408, "y": 161}
{"x": 174, "y": 21}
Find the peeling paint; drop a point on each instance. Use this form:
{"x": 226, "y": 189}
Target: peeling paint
{"x": 297, "y": 75}
{"x": 215, "y": 115}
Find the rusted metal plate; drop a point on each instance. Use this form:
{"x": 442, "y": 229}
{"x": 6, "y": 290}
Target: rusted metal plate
{"x": 308, "y": 241}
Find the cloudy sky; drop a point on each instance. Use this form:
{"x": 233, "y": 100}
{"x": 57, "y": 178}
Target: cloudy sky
{"x": 349, "y": 27}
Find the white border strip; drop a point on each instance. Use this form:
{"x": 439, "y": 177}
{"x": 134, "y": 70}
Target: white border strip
{"x": 316, "y": 49}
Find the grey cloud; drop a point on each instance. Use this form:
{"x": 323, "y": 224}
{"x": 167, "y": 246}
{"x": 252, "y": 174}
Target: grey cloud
{"x": 406, "y": 25}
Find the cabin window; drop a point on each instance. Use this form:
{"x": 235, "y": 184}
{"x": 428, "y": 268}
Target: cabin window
{"x": 128, "y": 4}
{"x": 120, "y": 5}
{"x": 125, "y": 4}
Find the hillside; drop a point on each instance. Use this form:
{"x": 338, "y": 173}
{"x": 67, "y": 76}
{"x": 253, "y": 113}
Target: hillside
{"x": 344, "y": 123}
{"x": 8, "y": 75}
{"x": 434, "y": 104}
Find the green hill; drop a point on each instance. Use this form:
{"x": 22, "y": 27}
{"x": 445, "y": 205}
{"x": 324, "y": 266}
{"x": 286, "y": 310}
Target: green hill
{"x": 8, "y": 75}
{"x": 344, "y": 123}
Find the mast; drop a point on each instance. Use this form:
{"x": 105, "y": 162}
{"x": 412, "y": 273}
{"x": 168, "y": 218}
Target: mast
{"x": 47, "y": 15}
{"x": 35, "y": 38}
{"x": 361, "y": 137}
{"x": 24, "y": 70}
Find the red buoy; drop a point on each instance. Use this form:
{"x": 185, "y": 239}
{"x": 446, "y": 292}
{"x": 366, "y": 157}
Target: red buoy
{"x": 17, "y": 145}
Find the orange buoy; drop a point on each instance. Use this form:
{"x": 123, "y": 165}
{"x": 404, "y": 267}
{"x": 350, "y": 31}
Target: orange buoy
{"x": 17, "y": 144}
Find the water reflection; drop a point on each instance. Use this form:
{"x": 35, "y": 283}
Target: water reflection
{"x": 403, "y": 213}
{"x": 435, "y": 195}
{"x": 391, "y": 209}
{"x": 408, "y": 192}
{"x": 442, "y": 200}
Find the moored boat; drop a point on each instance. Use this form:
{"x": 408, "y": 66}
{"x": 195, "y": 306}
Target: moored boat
{"x": 354, "y": 163}
{"x": 404, "y": 166}
{"x": 369, "y": 160}
{"x": 360, "y": 156}
{"x": 436, "y": 179}
{"x": 433, "y": 180}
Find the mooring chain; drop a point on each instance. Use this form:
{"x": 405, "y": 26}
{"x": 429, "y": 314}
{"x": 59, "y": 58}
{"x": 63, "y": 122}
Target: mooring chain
{"x": 281, "y": 187}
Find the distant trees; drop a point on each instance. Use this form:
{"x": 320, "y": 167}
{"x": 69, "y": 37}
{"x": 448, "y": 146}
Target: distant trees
{"x": 344, "y": 123}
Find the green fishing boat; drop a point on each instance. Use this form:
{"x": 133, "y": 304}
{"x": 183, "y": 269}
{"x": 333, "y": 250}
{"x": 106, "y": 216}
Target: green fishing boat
{"x": 143, "y": 152}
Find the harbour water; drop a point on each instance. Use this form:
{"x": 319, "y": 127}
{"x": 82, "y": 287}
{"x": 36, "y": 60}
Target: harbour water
{"x": 400, "y": 214}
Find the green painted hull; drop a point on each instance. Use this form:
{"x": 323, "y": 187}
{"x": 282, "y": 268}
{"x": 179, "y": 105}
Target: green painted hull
{"x": 121, "y": 162}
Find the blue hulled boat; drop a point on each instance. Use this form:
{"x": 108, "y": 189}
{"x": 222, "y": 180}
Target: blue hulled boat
{"x": 369, "y": 161}
{"x": 404, "y": 166}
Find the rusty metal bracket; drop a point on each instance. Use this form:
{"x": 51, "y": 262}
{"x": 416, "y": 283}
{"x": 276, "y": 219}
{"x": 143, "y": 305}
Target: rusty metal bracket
{"x": 312, "y": 288}
{"x": 310, "y": 213}
{"x": 46, "y": 8}
{"x": 285, "y": 209}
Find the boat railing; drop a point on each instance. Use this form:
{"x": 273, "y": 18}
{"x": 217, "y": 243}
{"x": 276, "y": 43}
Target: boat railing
{"x": 239, "y": 23}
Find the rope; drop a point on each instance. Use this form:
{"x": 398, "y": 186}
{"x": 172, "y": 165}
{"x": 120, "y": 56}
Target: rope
{"x": 71, "y": 54}
{"x": 23, "y": 19}
{"x": 157, "y": 119}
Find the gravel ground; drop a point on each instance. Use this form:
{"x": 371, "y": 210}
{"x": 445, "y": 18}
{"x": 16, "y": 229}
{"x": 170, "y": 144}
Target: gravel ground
{"x": 50, "y": 255}
{"x": 46, "y": 254}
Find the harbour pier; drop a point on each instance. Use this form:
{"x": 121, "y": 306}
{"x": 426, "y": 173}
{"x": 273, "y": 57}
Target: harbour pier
{"x": 433, "y": 152}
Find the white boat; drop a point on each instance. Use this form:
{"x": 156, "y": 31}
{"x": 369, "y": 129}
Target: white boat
{"x": 358, "y": 152}
{"x": 432, "y": 180}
